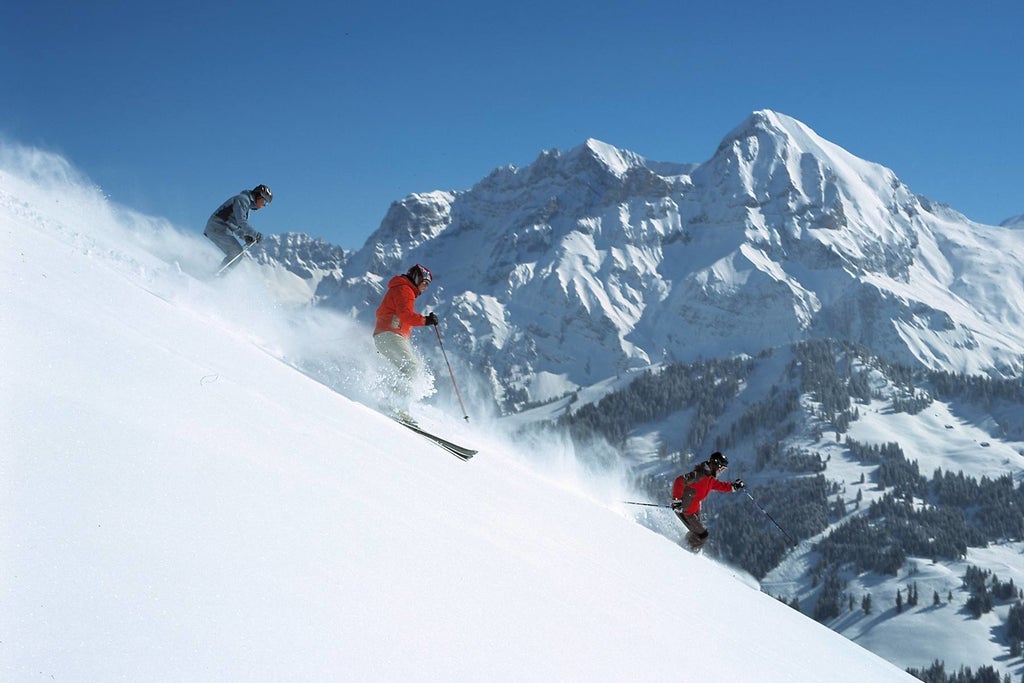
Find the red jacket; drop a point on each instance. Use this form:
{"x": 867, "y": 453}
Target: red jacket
{"x": 702, "y": 482}
{"x": 395, "y": 312}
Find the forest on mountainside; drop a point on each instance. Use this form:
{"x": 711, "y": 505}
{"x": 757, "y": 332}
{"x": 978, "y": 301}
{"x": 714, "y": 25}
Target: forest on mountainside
{"x": 937, "y": 516}
{"x": 823, "y": 388}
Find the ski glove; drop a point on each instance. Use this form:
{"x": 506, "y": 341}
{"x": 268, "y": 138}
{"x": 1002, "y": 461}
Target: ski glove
{"x": 252, "y": 239}
{"x": 677, "y": 505}
{"x": 430, "y": 319}
{"x": 737, "y": 485}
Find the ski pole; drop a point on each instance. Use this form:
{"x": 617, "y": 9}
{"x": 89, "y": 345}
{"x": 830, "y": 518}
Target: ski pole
{"x": 237, "y": 256}
{"x": 769, "y": 516}
{"x": 653, "y": 505}
{"x": 465, "y": 415}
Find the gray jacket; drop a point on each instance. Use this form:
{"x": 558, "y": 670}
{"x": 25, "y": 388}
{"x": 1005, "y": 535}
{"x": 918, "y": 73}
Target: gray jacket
{"x": 234, "y": 213}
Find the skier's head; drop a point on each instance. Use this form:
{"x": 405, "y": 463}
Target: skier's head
{"x": 717, "y": 462}
{"x": 419, "y": 275}
{"x": 263, "y": 192}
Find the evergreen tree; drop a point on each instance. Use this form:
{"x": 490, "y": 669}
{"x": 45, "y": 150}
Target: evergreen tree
{"x": 828, "y": 605}
{"x": 1015, "y": 622}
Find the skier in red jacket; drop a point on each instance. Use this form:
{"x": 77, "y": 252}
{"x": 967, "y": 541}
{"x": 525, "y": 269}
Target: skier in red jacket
{"x": 688, "y": 490}
{"x": 395, "y": 320}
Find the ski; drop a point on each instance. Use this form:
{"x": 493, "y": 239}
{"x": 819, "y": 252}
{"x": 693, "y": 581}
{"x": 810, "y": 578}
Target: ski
{"x": 460, "y": 452}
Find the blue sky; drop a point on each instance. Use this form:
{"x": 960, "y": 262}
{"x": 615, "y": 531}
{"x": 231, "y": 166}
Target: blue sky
{"x": 342, "y": 109}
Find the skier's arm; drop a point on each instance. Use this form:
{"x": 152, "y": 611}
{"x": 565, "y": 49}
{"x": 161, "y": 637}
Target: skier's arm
{"x": 404, "y": 309}
{"x": 719, "y": 485}
{"x": 677, "y": 487}
{"x": 239, "y": 217}
{"x": 682, "y": 495}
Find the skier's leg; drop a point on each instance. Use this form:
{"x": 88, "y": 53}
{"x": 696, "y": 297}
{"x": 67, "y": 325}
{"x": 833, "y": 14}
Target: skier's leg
{"x": 406, "y": 367}
{"x": 698, "y": 533}
{"x": 218, "y": 233}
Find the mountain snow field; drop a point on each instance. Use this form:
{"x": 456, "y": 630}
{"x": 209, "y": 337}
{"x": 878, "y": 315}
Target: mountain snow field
{"x": 177, "y": 502}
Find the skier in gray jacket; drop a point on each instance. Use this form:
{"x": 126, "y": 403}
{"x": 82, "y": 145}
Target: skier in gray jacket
{"x": 232, "y": 218}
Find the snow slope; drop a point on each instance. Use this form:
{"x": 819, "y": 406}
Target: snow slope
{"x": 177, "y": 503}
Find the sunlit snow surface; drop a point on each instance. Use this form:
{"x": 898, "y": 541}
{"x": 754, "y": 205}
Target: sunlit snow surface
{"x": 178, "y": 502}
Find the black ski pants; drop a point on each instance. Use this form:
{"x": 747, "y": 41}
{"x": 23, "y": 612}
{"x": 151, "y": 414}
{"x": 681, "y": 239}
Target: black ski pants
{"x": 698, "y": 533}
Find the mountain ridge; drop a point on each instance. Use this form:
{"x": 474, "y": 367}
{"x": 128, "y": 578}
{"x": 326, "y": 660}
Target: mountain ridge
{"x": 781, "y": 235}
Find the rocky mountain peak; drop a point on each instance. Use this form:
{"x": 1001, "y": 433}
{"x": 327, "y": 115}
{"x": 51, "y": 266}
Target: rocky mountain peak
{"x": 595, "y": 260}
{"x": 1016, "y": 222}
{"x": 409, "y": 223}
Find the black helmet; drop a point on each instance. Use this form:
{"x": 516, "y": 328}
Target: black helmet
{"x": 718, "y": 462}
{"x": 419, "y": 274}
{"x": 262, "y": 190}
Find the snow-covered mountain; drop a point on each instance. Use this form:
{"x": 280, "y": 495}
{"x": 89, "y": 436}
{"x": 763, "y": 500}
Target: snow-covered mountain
{"x": 593, "y": 261}
{"x": 177, "y": 503}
